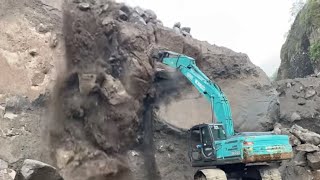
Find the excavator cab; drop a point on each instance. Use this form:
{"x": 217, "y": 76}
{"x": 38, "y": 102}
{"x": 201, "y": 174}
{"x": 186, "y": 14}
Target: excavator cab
{"x": 202, "y": 141}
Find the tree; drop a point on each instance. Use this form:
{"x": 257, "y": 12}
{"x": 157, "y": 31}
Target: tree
{"x": 297, "y": 5}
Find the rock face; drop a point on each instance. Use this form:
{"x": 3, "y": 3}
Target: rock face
{"x": 296, "y": 59}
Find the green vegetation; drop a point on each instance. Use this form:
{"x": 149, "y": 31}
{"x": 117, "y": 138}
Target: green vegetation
{"x": 314, "y": 51}
{"x": 310, "y": 16}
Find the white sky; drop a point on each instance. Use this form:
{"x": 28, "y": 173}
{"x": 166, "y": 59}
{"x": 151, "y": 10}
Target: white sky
{"x": 254, "y": 27}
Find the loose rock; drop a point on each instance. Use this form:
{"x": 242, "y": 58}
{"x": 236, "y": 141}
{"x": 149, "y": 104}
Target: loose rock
{"x": 3, "y": 164}
{"x": 53, "y": 41}
{"x": 63, "y": 157}
{"x": 43, "y": 28}
{"x": 307, "y": 148}
{"x": 301, "y": 101}
{"x": 150, "y": 14}
{"x": 186, "y": 29}
{"x": 305, "y": 136}
{"x": 84, "y": 6}
{"x": 123, "y": 16}
{"x": 178, "y": 25}
{"x": 33, "y": 52}
{"x": 310, "y": 93}
{"x": 7, "y": 174}
{"x": 36, "y": 170}
{"x": 314, "y": 160}
{"x": 295, "y": 117}
{"x": 37, "y": 79}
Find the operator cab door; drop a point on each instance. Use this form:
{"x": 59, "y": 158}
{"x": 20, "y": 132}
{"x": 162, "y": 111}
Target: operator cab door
{"x": 208, "y": 150}
{"x": 200, "y": 145}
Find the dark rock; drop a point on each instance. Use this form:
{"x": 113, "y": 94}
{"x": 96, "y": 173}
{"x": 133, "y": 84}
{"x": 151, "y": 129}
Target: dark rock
{"x": 170, "y": 148}
{"x": 126, "y": 9}
{"x": 16, "y": 104}
{"x": 186, "y": 29}
{"x": 314, "y": 160}
{"x": 301, "y": 101}
{"x": 36, "y": 170}
{"x": 84, "y": 6}
{"x": 33, "y": 52}
{"x": 178, "y": 25}
{"x": 150, "y": 15}
{"x": 137, "y": 19}
{"x": 123, "y": 16}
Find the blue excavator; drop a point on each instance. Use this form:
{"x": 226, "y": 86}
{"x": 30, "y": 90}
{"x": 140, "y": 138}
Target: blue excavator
{"x": 216, "y": 149}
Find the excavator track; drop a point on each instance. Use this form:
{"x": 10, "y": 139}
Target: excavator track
{"x": 210, "y": 174}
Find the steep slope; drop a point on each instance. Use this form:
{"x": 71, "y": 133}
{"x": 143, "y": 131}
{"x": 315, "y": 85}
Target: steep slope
{"x": 300, "y": 53}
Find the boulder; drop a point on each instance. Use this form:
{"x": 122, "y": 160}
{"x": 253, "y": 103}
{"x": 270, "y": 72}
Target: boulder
{"x": 305, "y": 135}
{"x": 16, "y": 104}
{"x": 150, "y": 15}
{"x": 114, "y": 91}
{"x": 123, "y": 15}
{"x": 295, "y": 117}
{"x": 310, "y": 93}
{"x": 42, "y": 28}
{"x": 7, "y": 174}
{"x": 37, "y": 79}
{"x": 84, "y": 6}
{"x": 300, "y": 159}
{"x": 307, "y": 148}
{"x": 137, "y": 19}
{"x": 314, "y": 160}
{"x": 177, "y": 24}
{"x": 186, "y": 29}
{"x": 53, "y": 42}
{"x": 36, "y": 170}
{"x": 3, "y": 164}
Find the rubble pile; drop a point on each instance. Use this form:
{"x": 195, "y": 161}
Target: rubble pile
{"x": 306, "y": 162}
{"x": 299, "y": 102}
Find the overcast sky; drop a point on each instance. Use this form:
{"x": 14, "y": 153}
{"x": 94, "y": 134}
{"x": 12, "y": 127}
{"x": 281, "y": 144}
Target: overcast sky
{"x": 254, "y": 27}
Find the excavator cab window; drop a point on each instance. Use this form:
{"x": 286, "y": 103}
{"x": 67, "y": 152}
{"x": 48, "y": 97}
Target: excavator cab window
{"x": 207, "y": 141}
{"x": 218, "y": 132}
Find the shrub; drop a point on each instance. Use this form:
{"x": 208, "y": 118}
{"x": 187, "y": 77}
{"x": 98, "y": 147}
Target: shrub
{"x": 314, "y": 51}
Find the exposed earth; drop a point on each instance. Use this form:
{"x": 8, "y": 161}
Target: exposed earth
{"x": 81, "y": 98}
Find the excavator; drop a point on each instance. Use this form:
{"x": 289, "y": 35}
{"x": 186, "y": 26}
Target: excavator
{"x": 215, "y": 149}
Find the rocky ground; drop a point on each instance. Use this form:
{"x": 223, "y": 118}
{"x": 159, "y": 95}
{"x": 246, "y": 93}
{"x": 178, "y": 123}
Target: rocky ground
{"x": 79, "y": 91}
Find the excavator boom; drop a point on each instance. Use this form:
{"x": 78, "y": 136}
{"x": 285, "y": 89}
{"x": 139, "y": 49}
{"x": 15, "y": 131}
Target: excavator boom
{"x": 211, "y": 91}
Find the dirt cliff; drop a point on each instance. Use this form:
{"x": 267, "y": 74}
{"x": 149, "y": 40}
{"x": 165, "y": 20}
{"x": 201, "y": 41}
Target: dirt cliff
{"x": 86, "y": 80}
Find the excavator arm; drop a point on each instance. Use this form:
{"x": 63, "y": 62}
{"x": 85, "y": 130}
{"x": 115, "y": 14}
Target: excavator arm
{"x": 211, "y": 91}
